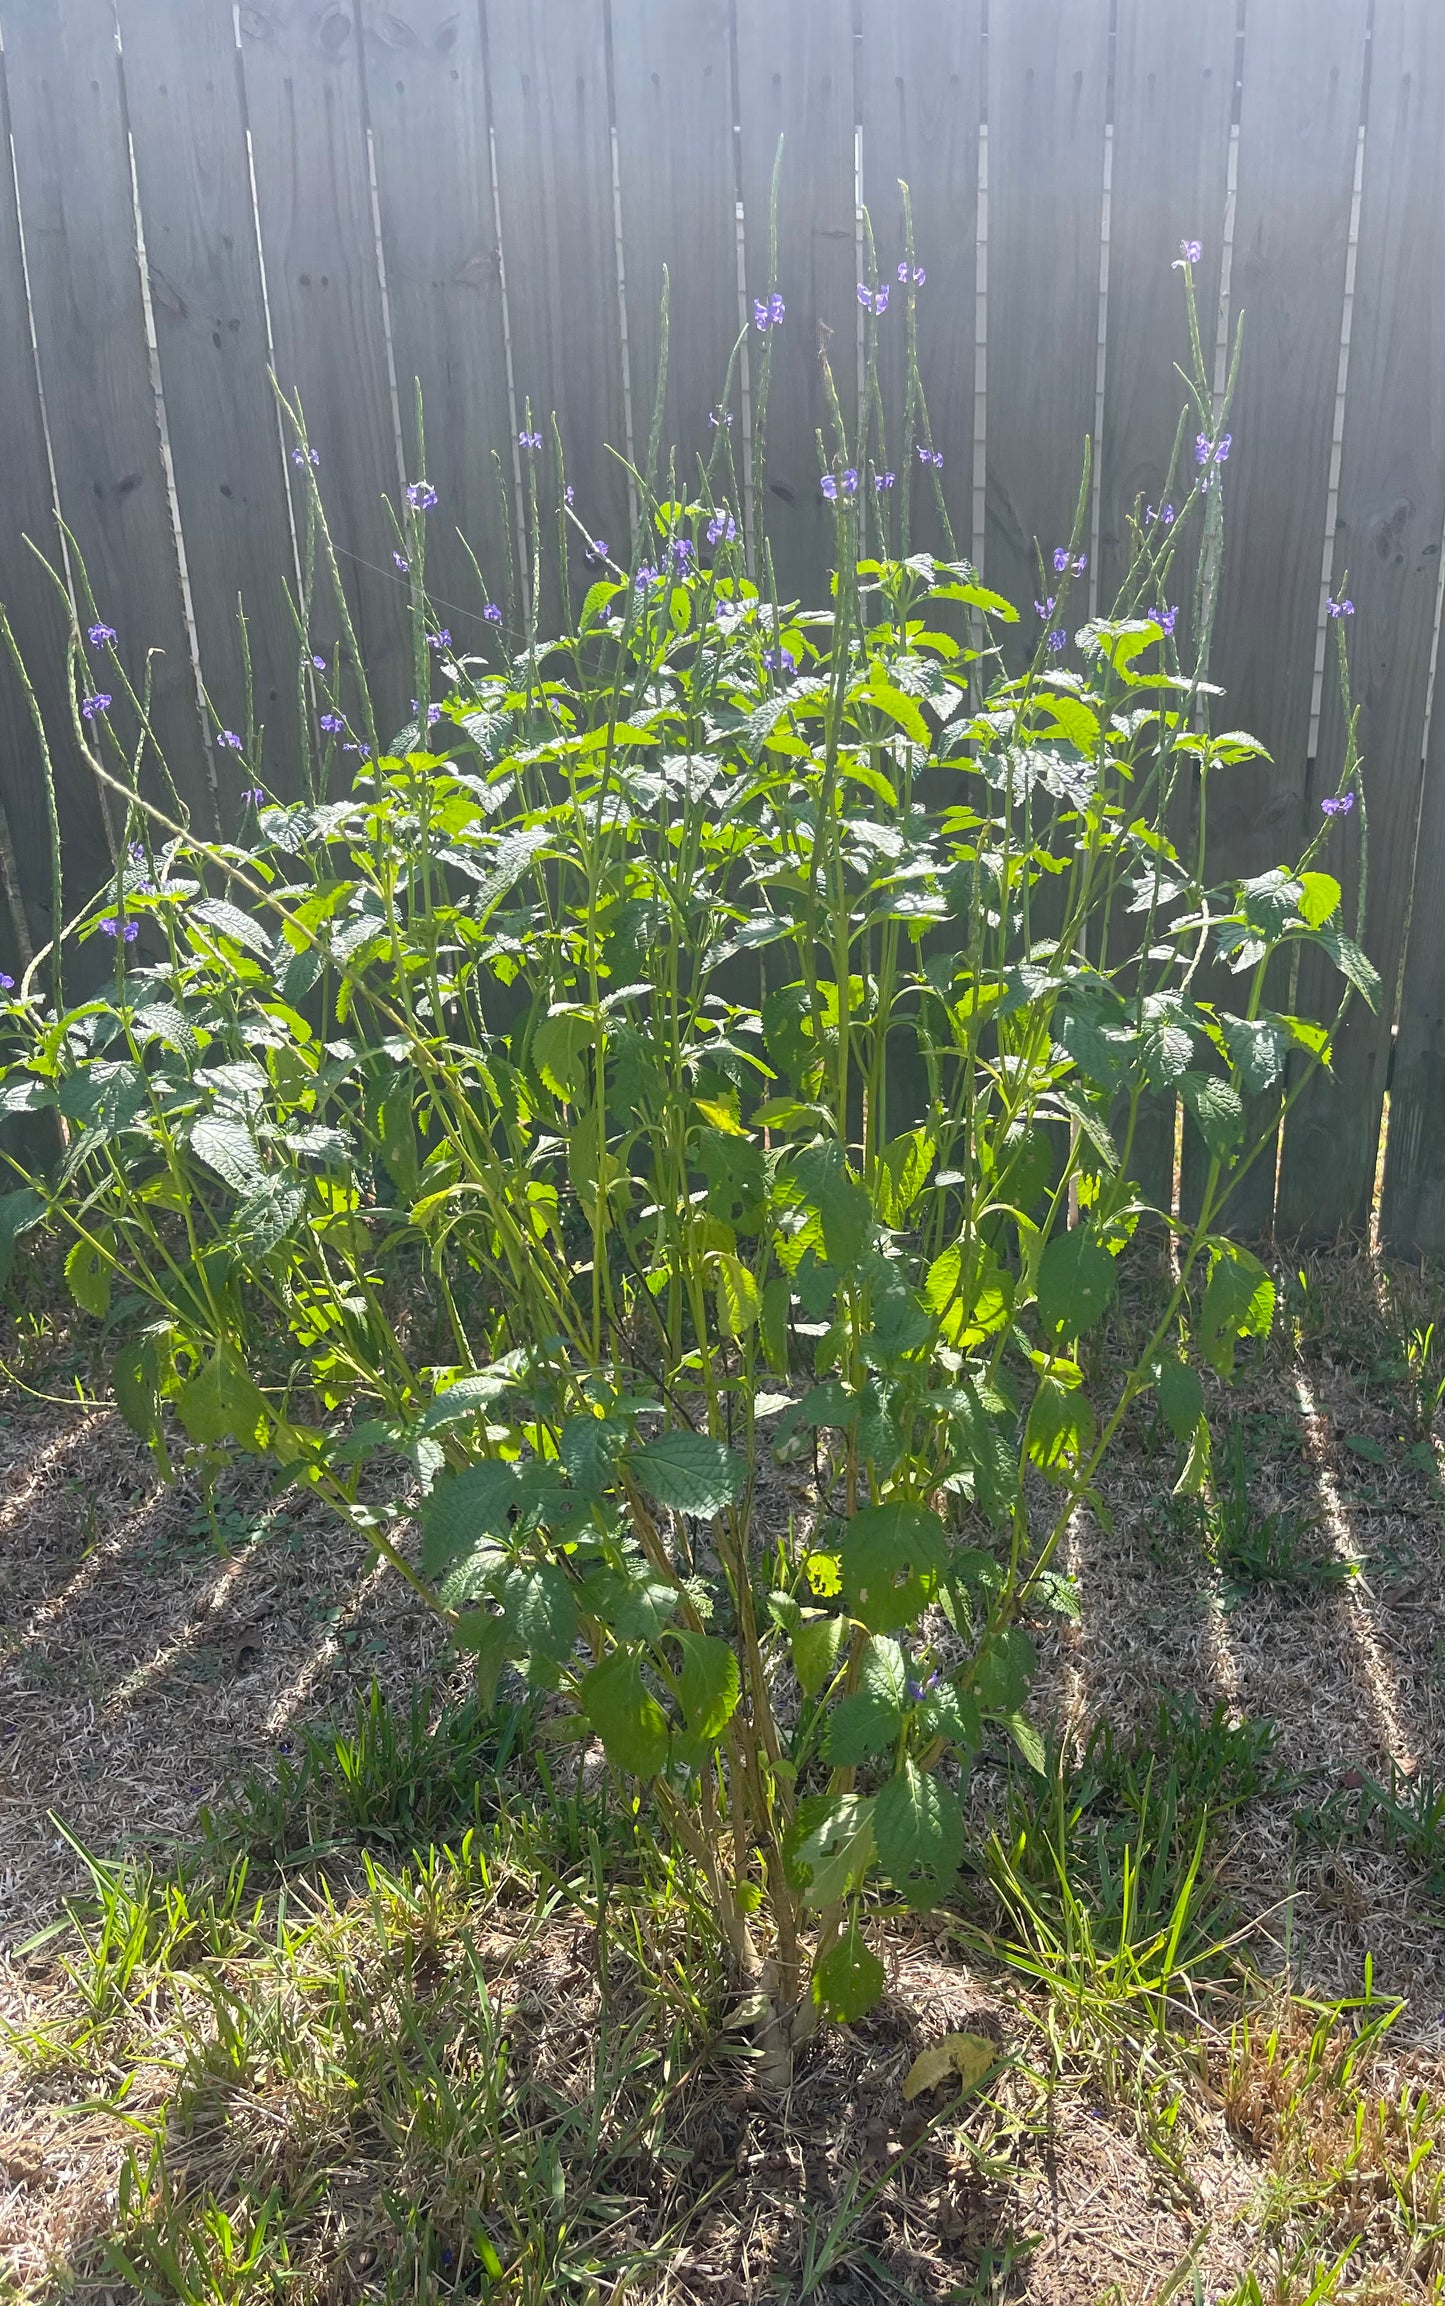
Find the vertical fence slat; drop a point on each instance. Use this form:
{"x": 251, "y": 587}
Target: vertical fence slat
{"x": 672, "y": 77}
{"x": 1299, "y": 123}
{"x": 1048, "y": 73}
{"x": 1391, "y": 508}
{"x": 73, "y": 167}
{"x": 795, "y": 80}
{"x": 554, "y": 166}
{"x": 184, "y": 102}
{"x": 1412, "y": 1211}
{"x": 303, "y": 98}
{"x": 37, "y": 619}
{"x": 919, "y": 92}
{"x": 427, "y": 103}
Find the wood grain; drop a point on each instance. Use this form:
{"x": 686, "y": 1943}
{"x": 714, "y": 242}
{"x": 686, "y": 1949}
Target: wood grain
{"x": 1412, "y": 1209}
{"x": 1387, "y": 555}
{"x": 183, "y": 98}
{"x": 795, "y": 80}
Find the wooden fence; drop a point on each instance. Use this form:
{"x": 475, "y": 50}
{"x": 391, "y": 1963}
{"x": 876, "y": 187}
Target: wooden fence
{"x": 481, "y": 195}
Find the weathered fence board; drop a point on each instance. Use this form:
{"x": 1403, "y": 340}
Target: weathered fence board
{"x": 318, "y": 240}
{"x": 795, "y": 81}
{"x": 1387, "y": 554}
{"x": 1412, "y": 1210}
{"x": 183, "y": 99}
{"x": 73, "y": 170}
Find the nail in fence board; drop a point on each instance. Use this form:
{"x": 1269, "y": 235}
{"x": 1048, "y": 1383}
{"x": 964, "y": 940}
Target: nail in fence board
{"x": 427, "y": 103}
{"x": 73, "y": 170}
{"x": 1412, "y": 1211}
{"x": 1299, "y": 120}
{"x": 1387, "y": 556}
{"x": 1048, "y": 72}
{"x": 795, "y": 80}
{"x": 303, "y": 99}
{"x": 38, "y": 620}
{"x": 1173, "y": 92}
{"x": 672, "y": 83}
{"x": 183, "y": 97}
{"x": 554, "y": 165}
{"x": 919, "y": 94}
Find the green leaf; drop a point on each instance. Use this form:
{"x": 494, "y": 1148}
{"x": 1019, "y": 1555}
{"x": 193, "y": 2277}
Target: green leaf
{"x": 1361, "y": 1445}
{"x": 1258, "y": 1046}
{"x": 633, "y": 1608}
{"x": 87, "y": 1274}
{"x": 817, "y": 1644}
{"x": 918, "y": 1831}
{"x": 1076, "y": 1281}
{"x": 232, "y": 923}
{"x": 398, "y": 1136}
{"x": 690, "y": 1472}
{"x": 1027, "y": 1738}
{"x": 1319, "y": 898}
{"x": 1181, "y": 1397}
{"x": 274, "y": 1209}
{"x": 557, "y": 1047}
{"x": 739, "y": 1299}
{"x": 868, "y": 1721}
{"x": 830, "y": 1847}
{"x": 136, "y": 1377}
{"x": 709, "y": 1685}
{"x": 822, "y": 1179}
{"x": 1238, "y": 1302}
{"x": 1003, "y": 1671}
{"x": 589, "y": 1447}
{"x": 903, "y": 1173}
{"x": 485, "y": 1636}
{"x": 222, "y": 1402}
{"x": 1218, "y": 1110}
{"x": 539, "y": 1609}
{"x": 1351, "y": 963}
{"x": 495, "y": 1500}
{"x": 1061, "y": 1428}
{"x": 848, "y": 1980}
{"x": 625, "y": 1715}
{"x": 892, "y": 1558}
{"x": 900, "y": 708}
{"x": 227, "y": 1146}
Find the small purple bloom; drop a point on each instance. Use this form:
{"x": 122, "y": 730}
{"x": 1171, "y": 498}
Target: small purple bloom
{"x": 101, "y": 636}
{"x": 682, "y": 555}
{"x": 721, "y": 529}
{"x": 441, "y": 640}
{"x": 1081, "y": 564}
{"x": 597, "y": 550}
{"x": 919, "y": 276}
{"x": 1043, "y": 610}
{"x": 882, "y": 480}
{"x": 1191, "y": 251}
{"x": 569, "y": 494}
{"x": 529, "y": 440}
{"x": 1166, "y": 618}
{"x": 717, "y": 417}
{"x": 433, "y": 715}
{"x": 1058, "y": 639}
{"x": 829, "y": 486}
{"x": 903, "y": 269}
{"x": 760, "y": 317}
{"x": 780, "y": 661}
{"x": 303, "y": 456}
{"x": 776, "y": 309}
{"x": 849, "y": 481}
{"x": 1201, "y": 448}
{"x": 364, "y": 750}
{"x": 229, "y": 739}
{"x": 420, "y": 495}
{"x": 865, "y": 296}
{"x": 1341, "y": 608}
{"x": 332, "y": 723}
{"x": 492, "y": 613}
{"x": 127, "y": 931}
{"x": 255, "y": 795}
{"x": 319, "y": 663}
{"x": 933, "y": 456}
{"x": 1340, "y": 806}
{"x": 1061, "y": 558}
{"x": 95, "y": 704}
{"x": 402, "y": 563}
{"x": 7, "y": 984}
{"x": 646, "y": 575}
{"x": 1226, "y": 442}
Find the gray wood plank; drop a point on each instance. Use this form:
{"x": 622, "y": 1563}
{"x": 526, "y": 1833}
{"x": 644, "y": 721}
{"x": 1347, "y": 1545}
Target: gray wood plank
{"x": 1048, "y": 72}
{"x": 554, "y": 163}
{"x": 427, "y": 103}
{"x": 673, "y": 91}
{"x": 38, "y": 620}
{"x": 183, "y": 97}
{"x": 302, "y": 80}
{"x": 1412, "y": 1208}
{"x": 73, "y": 169}
{"x": 795, "y": 80}
{"x": 920, "y": 84}
{"x": 1387, "y": 549}
{"x": 1299, "y": 119}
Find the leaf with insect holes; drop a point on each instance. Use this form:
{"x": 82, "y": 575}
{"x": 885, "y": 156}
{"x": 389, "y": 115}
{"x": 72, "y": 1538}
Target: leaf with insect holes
{"x": 918, "y": 1830}
{"x": 625, "y": 1715}
{"x": 690, "y": 1472}
{"x": 1076, "y": 1282}
{"x": 87, "y": 1274}
{"x": 969, "y": 2056}
{"x": 893, "y": 1556}
{"x": 848, "y": 1980}
{"x": 222, "y": 1402}
{"x": 493, "y": 1500}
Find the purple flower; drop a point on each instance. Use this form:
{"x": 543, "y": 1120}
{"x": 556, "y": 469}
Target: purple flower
{"x": 420, "y": 495}
{"x": 903, "y": 268}
{"x": 1043, "y": 610}
{"x": 766, "y": 316}
{"x": 682, "y": 555}
{"x": 303, "y": 456}
{"x": 721, "y": 529}
{"x": 1166, "y": 618}
{"x": 95, "y": 704}
{"x": 364, "y": 750}
{"x": 760, "y": 317}
{"x": 492, "y": 613}
{"x": 1341, "y": 608}
{"x": 597, "y": 550}
{"x": 829, "y": 486}
{"x": 1219, "y": 453}
{"x": 780, "y": 661}
{"x": 1201, "y": 448}
{"x": 776, "y": 308}
{"x": 101, "y": 636}
{"x": 1162, "y": 513}
{"x": 933, "y": 456}
{"x": 255, "y": 795}
{"x": 229, "y": 739}
{"x": 919, "y": 276}
{"x": 332, "y": 723}
{"x": 646, "y": 575}
{"x": 1057, "y": 639}
{"x": 882, "y": 480}
{"x": 402, "y": 563}
{"x": 568, "y": 494}
{"x": 433, "y": 715}
{"x": 529, "y": 440}
{"x": 1340, "y": 806}
{"x": 319, "y": 663}
{"x": 113, "y": 926}
{"x": 441, "y": 640}
{"x": 849, "y": 481}
{"x": 1061, "y": 558}
{"x": 1226, "y": 442}
{"x": 873, "y": 300}
{"x": 717, "y": 417}
{"x": 1191, "y": 251}
{"x": 7, "y": 983}
{"x": 1081, "y": 563}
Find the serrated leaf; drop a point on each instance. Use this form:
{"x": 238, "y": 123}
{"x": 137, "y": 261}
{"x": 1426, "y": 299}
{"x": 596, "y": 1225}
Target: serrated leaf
{"x": 848, "y": 1980}
{"x": 625, "y": 1715}
{"x": 1027, "y": 1738}
{"x": 892, "y": 1558}
{"x": 1217, "y": 1109}
{"x": 88, "y": 1275}
{"x": 216, "y": 913}
{"x": 136, "y": 1377}
{"x": 227, "y": 1146}
{"x": 484, "y": 1501}
{"x": 1061, "y": 1428}
{"x": 1076, "y": 1282}
{"x": 817, "y": 1644}
{"x": 274, "y": 1209}
{"x": 709, "y": 1685}
{"x": 222, "y": 1402}
{"x": 557, "y": 1047}
{"x": 831, "y": 1847}
{"x": 690, "y": 1472}
{"x": 903, "y": 1174}
{"x": 918, "y": 1833}
{"x": 1238, "y": 1302}
{"x": 1258, "y": 1046}
{"x": 539, "y": 1609}
{"x": 867, "y": 1722}
{"x": 1320, "y": 894}
{"x": 739, "y": 1299}
{"x": 1351, "y": 963}
{"x": 1181, "y": 1397}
